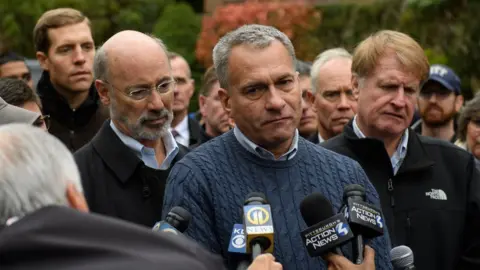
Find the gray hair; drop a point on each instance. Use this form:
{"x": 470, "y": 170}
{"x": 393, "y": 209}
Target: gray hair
{"x": 100, "y": 61}
{"x": 36, "y": 168}
{"x": 257, "y": 36}
{"x": 303, "y": 68}
{"x": 322, "y": 59}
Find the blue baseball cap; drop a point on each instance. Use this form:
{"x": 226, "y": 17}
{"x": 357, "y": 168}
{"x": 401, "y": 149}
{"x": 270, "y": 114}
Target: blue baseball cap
{"x": 446, "y": 77}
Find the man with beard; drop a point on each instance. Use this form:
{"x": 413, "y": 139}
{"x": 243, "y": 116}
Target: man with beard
{"x": 125, "y": 166}
{"x": 439, "y": 101}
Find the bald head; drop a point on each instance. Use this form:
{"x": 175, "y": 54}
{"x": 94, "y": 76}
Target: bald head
{"x": 125, "y": 49}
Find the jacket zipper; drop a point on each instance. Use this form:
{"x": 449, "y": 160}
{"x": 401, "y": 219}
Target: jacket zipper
{"x": 390, "y": 190}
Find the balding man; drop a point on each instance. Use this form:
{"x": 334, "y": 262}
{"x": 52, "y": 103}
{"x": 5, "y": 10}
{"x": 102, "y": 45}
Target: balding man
{"x": 335, "y": 101}
{"x": 125, "y": 167}
{"x": 186, "y": 130}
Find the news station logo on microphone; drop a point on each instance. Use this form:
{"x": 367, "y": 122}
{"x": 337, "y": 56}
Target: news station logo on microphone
{"x": 237, "y": 240}
{"x": 258, "y": 222}
{"x": 326, "y": 235}
{"x": 366, "y": 215}
{"x": 164, "y": 227}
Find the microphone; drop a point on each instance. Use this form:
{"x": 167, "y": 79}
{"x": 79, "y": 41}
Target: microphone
{"x": 326, "y": 231}
{"x": 237, "y": 242}
{"x": 364, "y": 219}
{"x": 402, "y": 258}
{"x": 257, "y": 224}
{"x": 176, "y": 221}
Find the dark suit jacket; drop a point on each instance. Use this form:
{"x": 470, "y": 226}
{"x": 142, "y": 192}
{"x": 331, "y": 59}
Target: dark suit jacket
{"x": 117, "y": 183}
{"x": 61, "y": 238}
{"x": 195, "y": 131}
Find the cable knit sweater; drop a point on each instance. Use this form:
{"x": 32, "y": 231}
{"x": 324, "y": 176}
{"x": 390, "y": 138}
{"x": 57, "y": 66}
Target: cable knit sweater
{"x": 213, "y": 181}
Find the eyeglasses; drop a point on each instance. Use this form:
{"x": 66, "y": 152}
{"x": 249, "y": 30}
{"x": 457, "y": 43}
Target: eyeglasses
{"x": 43, "y": 120}
{"x": 142, "y": 93}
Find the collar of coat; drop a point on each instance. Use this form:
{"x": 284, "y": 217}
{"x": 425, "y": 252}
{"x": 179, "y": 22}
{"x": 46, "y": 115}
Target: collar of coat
{"x": 417, "y": 157}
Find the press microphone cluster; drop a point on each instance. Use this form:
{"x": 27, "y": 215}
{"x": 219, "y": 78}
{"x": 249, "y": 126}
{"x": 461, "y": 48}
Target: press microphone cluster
{"x": 327, "y": 232}
{"x": 365, "y": 219}
{"x": 176, "y": 221}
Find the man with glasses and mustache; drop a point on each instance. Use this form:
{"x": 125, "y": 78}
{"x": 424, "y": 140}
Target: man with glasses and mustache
{"x": 439, "y": 101}
{"x": 125, "y": 167}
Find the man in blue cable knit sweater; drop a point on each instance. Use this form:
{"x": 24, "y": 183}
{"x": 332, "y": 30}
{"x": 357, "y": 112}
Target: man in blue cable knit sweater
{"x": 263, "y": 153}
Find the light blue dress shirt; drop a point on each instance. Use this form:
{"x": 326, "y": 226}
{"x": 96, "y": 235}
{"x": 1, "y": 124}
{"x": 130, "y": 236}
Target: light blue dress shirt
{"x": 262, "y": 152}
{"x": 147, "y": 154}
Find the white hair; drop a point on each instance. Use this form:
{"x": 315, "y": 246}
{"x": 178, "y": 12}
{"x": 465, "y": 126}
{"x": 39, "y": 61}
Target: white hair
{"x": 322, "y": 59}
{"x": 35, "y": 170}
{"x": 255, "y": 35}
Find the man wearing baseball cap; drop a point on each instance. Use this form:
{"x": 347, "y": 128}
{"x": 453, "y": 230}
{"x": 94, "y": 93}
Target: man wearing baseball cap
{"x": 439, "y": 101}
{"x": 12, "y": 114}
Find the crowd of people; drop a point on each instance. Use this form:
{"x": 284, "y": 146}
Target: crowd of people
{"x": 103, "y": 147}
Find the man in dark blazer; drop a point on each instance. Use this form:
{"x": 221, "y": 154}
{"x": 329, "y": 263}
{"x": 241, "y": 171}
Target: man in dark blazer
{"x": 185, "y": 129}
{"x": 44, "y": 222}
{"x": 125, "y": 167}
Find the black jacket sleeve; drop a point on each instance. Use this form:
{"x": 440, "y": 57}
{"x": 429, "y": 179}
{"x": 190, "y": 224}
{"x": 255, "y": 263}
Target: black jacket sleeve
{"x": 471, "y": 249}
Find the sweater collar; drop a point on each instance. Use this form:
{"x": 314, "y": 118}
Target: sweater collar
{"x": 262, "y": 152}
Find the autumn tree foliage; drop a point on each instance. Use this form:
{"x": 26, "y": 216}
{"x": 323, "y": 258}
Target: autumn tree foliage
{"x": 294, "y": 18}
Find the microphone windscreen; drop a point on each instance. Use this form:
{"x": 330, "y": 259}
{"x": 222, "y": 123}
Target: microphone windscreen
{"x": 315, "y": 208}
{"x": 402, "y": 256}
{"x": 182, "y": 216}
{"x": 257, "y": 197}
{"x": 353, "y": 190}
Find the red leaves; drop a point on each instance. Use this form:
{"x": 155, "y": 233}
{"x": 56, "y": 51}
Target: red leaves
{"x": 294, "y": 18}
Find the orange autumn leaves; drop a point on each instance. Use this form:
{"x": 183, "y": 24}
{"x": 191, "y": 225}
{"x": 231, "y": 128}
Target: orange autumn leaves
{"x": 294, "y": 18}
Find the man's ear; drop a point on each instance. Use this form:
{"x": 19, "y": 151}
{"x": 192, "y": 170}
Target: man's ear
{"x": 311, "y": 99}
{"x": 225, "y": 99}
{"x": 201, "y": 104}
{"x": 356, "y": 84}
{"x": 458, "y": 103}
{"x": 103, "y": 92}
{"x": 43, "y": 60}
{"x": 191, "y": 89}
{"x": 75, "y": 198}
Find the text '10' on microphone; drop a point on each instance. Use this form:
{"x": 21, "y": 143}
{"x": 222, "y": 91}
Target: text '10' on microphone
{"x": 257, "y": 224}
{"x": 402, "y": 258}
{"x": 326, "y": 231}
{"x": 364, "y": 219}
{"x": 176, "y": 221}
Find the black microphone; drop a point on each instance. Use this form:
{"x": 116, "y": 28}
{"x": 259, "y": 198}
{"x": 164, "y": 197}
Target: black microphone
{"x": 326, "y": 231}
{"x": 364, "y": 219}
{"x": 257, "y": 224}
{"x": 176, "y": 221}
{"x": 402, "y": 258}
